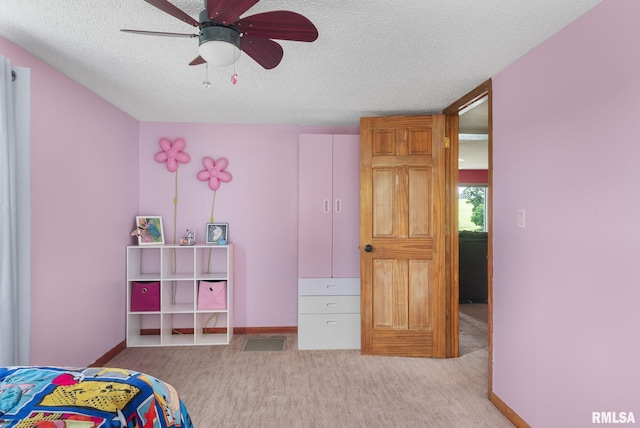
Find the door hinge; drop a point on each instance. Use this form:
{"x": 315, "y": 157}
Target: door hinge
{"x": 447, "y": 142}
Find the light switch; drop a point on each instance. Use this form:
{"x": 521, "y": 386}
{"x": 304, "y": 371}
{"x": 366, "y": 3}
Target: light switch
{"x": 521, "y": 218}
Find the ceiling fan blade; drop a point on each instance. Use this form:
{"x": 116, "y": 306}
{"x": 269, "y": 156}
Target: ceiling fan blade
{"x": 172, "y": 10}
{"x": 159, "y": 33}
{"x": 265, "y": 52}
{"x": 228, "y": 11}
{"x": 279, "y": 24}
{"x": 197, "y": 61}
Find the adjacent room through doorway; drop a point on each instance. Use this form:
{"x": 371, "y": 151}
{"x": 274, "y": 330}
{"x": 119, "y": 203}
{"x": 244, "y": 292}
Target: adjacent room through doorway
{"x": 473, "y": 212}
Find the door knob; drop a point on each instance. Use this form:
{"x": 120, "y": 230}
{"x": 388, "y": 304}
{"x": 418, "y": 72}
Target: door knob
{"x": 368, "y": 248}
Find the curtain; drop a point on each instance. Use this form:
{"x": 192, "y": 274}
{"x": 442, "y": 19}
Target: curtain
{"x": 15, "y": 214}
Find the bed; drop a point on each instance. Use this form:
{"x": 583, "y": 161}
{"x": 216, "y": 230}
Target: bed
{"x": 53, "y": 397}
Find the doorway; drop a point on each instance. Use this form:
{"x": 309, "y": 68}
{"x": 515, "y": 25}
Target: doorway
{"x": 468, "y": 128}
{"x": 473, "y": 211}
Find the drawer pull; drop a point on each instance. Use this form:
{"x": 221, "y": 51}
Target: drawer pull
{"x": 332, "y": 322}
{"x": 332, "y": 286}
{"x": 332, "y": 305}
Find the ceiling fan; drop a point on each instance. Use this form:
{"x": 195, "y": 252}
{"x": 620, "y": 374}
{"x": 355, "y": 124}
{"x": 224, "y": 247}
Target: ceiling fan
{"x": 223, "y": 34}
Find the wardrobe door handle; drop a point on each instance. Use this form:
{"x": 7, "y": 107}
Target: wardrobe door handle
{"x": 338, "y": 206}
{"x": 368, "y": 248}
{"x": 326, "y": 206}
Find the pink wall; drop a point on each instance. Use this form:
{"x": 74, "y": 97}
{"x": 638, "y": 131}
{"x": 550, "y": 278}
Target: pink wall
{"x": 84, "y": 193}
{"x": 566, "y": 292}
{"x": 260, "y": 204}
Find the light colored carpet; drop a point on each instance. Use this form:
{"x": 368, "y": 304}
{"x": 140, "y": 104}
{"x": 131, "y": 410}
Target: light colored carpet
{"x": 225, "y": 387}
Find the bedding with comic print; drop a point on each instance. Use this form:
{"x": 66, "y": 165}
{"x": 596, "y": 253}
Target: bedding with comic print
{"x": 51, "y": 397}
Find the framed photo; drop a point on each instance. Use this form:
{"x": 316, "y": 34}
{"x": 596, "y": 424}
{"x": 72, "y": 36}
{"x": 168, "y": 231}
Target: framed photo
{"x": 217, "y": 232}
{"x": 149, "y": 230}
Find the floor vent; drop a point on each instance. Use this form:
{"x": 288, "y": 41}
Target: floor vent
{"x": 264, "y": 344}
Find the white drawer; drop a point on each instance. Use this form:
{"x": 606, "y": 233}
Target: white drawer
{"x": 329, "y": 331}
{"x": 329, "y": 304}
{"x": 329, "y": 286}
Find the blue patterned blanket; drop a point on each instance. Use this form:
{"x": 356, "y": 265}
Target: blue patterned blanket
{"x": 51, "y": 397}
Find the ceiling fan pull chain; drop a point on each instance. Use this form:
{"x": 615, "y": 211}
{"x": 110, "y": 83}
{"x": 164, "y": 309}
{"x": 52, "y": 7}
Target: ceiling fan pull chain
{"x": 234, "y": 76}
{"x": 206, "y": 82}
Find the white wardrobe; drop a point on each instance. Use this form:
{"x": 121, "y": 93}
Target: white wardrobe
{"x": 328, "y": 242}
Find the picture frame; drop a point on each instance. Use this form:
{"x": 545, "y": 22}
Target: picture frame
{"x": 217, "y": 232}
{"x": 149, "y": 230}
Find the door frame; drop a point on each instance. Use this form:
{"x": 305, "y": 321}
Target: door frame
{"x": 452, "y": 114}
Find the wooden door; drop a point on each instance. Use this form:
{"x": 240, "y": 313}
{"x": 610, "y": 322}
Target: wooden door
{"x": 402, "y": 236}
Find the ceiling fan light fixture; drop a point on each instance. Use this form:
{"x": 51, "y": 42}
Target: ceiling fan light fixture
{"x": 219, "y": 45}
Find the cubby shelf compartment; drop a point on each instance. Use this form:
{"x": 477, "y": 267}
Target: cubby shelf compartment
{"x": 179, "y": 269}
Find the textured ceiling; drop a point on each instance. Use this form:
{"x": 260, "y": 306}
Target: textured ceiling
{"x": 371, "y": 58}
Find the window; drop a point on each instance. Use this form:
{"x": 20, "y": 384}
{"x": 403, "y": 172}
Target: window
{"x": 472, "y": 207}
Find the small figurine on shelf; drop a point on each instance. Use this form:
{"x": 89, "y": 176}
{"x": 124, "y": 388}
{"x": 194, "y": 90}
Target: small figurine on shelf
{"x": 188, "y": 238}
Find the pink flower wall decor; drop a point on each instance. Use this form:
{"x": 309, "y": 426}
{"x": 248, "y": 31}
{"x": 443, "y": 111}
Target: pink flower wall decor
{"x": 214, "y": 172}
{"x": 172, "y": 153}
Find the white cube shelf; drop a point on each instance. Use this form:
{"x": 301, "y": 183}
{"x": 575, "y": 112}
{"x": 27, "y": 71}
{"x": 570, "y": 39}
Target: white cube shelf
{"x": 179, "y": 270}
